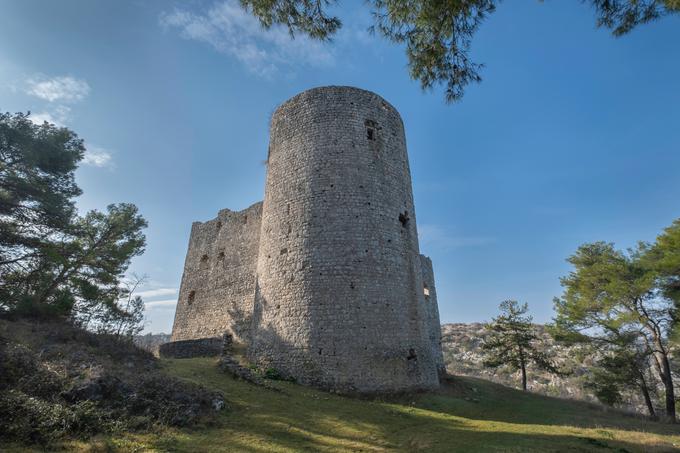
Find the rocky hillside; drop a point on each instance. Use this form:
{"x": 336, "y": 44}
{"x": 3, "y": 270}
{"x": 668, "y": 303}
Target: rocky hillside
{"x": 463, "y": 355}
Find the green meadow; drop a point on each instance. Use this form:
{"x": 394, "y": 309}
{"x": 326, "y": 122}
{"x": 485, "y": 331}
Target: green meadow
{"x": 466, "y": 415}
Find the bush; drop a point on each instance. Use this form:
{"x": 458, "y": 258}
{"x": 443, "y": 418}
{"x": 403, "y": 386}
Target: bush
{"x": 32, "y": 420}
{"x": 65, "y": 382}
{"x": 275, "y": 375}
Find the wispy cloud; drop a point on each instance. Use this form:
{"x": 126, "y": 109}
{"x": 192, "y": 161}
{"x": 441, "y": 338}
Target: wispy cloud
{"x": 161, "y": 304}
{"x": 151, "y": 293}
{"x": 96, "y": 156}
{"x": 63, "y": 89}
{"x": 231, "y": 30}
{"x": 437, "y": 236}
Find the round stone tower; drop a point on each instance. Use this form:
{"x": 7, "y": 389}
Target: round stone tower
{"x": 339, "y": 298}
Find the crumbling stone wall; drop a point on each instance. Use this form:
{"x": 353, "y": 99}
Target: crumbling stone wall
{"x": 323, "y": 280}
{"x": 218, "y": 284}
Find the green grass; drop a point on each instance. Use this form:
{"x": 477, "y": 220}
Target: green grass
{"x": 467, "y": 415}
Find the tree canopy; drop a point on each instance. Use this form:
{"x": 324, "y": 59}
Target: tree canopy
{"x": 53, "y": 261}
{"x": 620, "y": 302}
{"x": 438, "y": 34}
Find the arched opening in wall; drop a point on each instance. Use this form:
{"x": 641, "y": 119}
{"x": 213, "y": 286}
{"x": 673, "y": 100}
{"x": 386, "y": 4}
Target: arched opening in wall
{"x": 219, "y": 225}
{"x": 245, "y": 219}
{"x": 220, "y": 256}
{"x": 204, "y": 262}
{"x": 192, "y": 296}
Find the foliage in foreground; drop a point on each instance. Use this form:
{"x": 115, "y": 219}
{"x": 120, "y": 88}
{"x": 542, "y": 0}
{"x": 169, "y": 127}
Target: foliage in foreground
{"x": 54, "y": 262}
{"x": 438, "y": 34}
{"x": 59, "y": 382}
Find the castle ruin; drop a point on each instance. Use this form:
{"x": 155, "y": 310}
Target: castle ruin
{"x": 323, "y": 280}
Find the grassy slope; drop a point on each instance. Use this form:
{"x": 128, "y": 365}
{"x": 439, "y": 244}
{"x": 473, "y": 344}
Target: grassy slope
{"x": 466, "y": 415}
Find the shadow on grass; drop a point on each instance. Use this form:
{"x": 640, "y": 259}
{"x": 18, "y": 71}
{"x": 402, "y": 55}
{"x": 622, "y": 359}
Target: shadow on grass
{"x": 484, "y": 400}
{"x": 466, "y": 415}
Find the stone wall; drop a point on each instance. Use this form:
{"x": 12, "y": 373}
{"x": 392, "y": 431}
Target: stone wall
{"x": 339, "y": 298}
{"x": 432, "y": 309}
{"x": 218, "y": 284}
{"x": 201, "y": 347}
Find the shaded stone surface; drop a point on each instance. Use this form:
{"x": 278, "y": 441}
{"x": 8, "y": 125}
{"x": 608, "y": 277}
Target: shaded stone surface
{"x": 199, "y": 347}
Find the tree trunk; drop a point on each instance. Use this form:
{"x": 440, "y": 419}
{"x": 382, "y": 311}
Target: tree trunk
{"x": 524, "y": 376}
{"x": 666, "y": 376}
{"x": 648, "y": 400}
{"x": 667, "y": 379}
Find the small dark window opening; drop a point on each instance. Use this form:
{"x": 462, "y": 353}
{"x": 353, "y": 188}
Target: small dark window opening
{"x": 370, "y": 133}
{"x": 219, "y": 225}
{"x": 204, "y": 262}
{"x": 411, "y": 354}
{"x": 220, "y": 256}
{"x": 371, "y": 127}
{"x": 284, "y": 251}
{"x": 192, "y": 296}
{"x": 245, "y": 219}
{"x": 404, "y": 218}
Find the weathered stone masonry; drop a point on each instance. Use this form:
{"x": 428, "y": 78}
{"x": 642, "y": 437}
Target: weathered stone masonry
{"x": 323, "y": 280}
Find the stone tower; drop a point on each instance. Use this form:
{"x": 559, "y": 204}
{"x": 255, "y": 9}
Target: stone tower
{"x": 338, "y": 295}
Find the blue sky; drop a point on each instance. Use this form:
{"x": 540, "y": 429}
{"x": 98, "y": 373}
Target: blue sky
{"x": 573, "y": 135}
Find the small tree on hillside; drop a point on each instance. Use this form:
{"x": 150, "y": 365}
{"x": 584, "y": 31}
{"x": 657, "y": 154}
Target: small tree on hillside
{"x": 513, "y": 341}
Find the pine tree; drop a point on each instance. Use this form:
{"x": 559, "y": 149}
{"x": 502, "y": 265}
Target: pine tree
{"x": 513, "y": 341}
{"x": 438, "y": 34}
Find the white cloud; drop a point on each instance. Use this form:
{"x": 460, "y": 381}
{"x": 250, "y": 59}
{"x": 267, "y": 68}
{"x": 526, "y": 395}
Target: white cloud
{"x": 231, "y": 30}
{"x": 157, "y": 292}
{"x": 436, "y": 236}
{"x": 65, "y": 89}
{"x": 97, "y": 157}
{"x": 161, "y": 304}
{"x": 58, "y": 116}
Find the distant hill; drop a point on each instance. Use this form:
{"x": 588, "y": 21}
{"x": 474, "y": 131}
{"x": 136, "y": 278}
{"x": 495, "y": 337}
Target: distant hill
{"x": 463, "y": 356}
{"x": 151, "y": 341}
